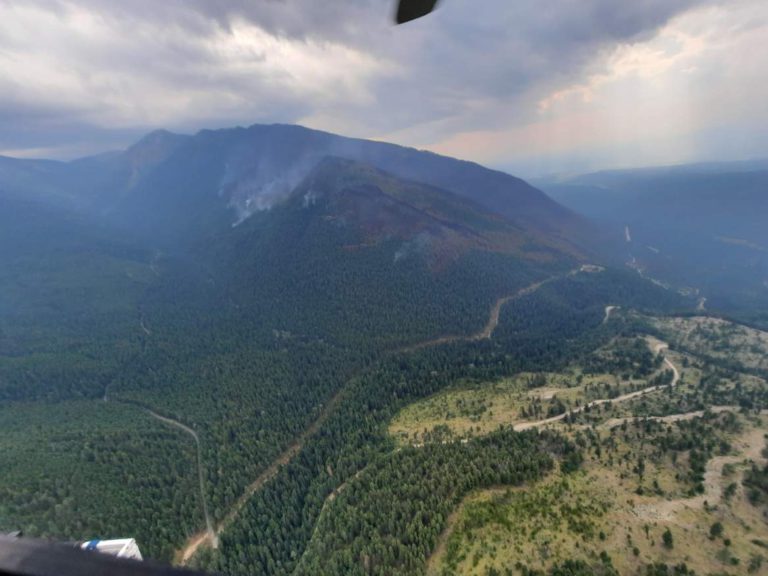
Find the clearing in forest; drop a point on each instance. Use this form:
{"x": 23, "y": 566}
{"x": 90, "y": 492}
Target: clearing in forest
{"x": 529, "y": 400}
{"x": 609, "y": 506}
{"x": 682, "y": 459}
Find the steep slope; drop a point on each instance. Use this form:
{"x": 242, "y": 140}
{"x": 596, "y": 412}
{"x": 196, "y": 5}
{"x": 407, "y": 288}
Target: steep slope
{"x": 97, "y": 183}
{"x": 355, "y": 253}
{"x": 382, "y": 206}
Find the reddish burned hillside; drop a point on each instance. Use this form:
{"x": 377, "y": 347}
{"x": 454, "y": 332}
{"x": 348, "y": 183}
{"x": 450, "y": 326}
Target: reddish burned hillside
{"x": 434, "y": 222}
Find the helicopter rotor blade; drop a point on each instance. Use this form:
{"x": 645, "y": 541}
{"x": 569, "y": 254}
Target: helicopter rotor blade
{"x": 408, "y": 10}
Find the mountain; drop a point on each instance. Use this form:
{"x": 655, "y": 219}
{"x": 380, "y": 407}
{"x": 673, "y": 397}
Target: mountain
{"x": 233, "y": 281}
{"x": 255, "y": 209}
{"x": 727, "y": 198}
{"x": 187, "y": 184}
{"x": 268, "y": 220}
{"x": 383, "y": 207}
{"x": 352, "y": 242}
{"x": 699, "y": 226}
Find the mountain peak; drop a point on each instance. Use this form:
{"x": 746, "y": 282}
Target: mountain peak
{"x": 157, "y": 141}
{"x": 157, "y": 137}
{"x": 153, "y": 149}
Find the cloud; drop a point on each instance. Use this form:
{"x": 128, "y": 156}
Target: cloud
{"x": 694, "y": 91}
{"x": 474, "y": 79}
{"x": 107, "y": 68}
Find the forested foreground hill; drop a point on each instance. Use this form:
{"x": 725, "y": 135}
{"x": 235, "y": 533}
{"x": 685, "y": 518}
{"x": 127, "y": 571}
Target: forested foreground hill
{"x": 153, "y": 310}
{"x": 290, "y": 525}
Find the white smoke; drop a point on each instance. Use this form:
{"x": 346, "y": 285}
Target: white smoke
{"x": 311, "y": 198}
{"x": 418, "y": 245}
{"x": 254, "y": 185}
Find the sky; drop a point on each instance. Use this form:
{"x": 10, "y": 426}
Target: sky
{"x": 530, "y": 86}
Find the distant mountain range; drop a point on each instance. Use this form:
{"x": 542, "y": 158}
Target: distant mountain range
{"x": 700, "y": 225}
{"x": 698, "y": 228}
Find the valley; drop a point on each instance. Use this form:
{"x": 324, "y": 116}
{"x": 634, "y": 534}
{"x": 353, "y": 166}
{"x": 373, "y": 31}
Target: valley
{"x": 708, "y": 239}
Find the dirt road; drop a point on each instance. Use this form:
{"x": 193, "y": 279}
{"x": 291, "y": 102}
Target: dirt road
{"x": 658, "y": 346}
{"x": 751, "y": 446}
{"x": 209, "y": 533}
{"x": 147, "y": 331}
{"x": 614, "y": 422}
{"x": 326, "y": 504}
{"x": 608, "y": 311}
{"x": 493, "y": 318}
{"x": 210, "y": 536}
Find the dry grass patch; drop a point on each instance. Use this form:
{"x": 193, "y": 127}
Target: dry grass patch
{"x": 598, "y": 510}
{"x": 718, "y": 339}
{"x": 477, "y": 409}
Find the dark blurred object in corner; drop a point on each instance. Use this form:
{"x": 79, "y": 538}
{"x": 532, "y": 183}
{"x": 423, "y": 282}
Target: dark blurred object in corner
{"x": 409, "y": 10}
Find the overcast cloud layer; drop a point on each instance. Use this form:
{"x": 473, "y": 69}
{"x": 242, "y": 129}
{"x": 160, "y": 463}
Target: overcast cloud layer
{"x": 530, "y": 85}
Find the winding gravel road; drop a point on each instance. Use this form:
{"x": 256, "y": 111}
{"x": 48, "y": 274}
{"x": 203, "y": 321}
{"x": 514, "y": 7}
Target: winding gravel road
{"x": 211, "y": 533}
{"x": 675, "y": 379}
{"x": 493, "y": 318}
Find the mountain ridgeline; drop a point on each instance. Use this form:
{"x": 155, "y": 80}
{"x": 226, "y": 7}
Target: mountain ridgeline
{"x": 183, "y": 185}
{"x": 348, "y": 230}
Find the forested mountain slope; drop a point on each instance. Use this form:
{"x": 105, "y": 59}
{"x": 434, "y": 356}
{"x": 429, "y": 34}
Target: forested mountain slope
{"x": 274, "y": 534}
{"x": 355, "y": 252}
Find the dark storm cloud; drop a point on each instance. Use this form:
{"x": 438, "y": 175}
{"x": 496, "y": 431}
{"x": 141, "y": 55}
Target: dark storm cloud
{"x": 332, "y": 19}
{"x": 120, "y": 67}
